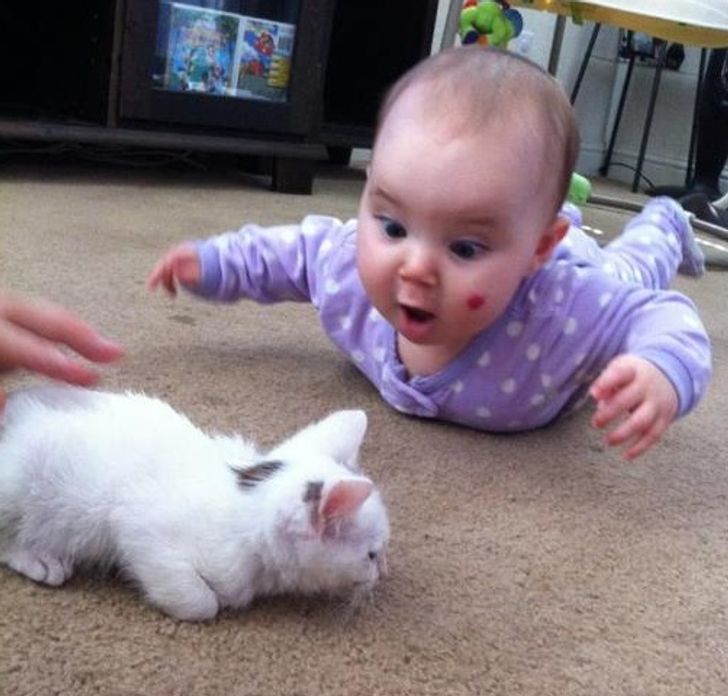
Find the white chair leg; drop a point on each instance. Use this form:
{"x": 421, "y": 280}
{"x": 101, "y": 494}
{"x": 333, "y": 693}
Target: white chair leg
{"x": 452, "y": 23}
{"x": 722, "y": 202}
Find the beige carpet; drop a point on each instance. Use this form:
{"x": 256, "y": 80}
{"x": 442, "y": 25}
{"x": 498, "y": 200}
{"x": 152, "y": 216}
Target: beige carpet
{"x": 538, "y": 564}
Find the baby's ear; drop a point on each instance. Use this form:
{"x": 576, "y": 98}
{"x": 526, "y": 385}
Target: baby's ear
{"x": 548, "y": 240}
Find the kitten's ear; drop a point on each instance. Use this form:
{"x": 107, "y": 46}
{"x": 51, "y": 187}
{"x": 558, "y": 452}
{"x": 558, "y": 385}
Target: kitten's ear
{"x": 344, "y": 498}
{"x": 339, "y": 436}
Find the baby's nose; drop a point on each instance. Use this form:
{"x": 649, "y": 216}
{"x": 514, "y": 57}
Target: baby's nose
{"x": 419, "y": 265}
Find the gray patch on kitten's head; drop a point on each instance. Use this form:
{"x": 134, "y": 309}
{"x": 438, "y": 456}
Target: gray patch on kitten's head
{"x": 312, "y": 497}
{"x": 313, "y": 492}
{"x": 251, "y": 476}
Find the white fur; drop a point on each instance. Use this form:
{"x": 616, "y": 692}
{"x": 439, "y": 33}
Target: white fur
{"x": 123, "y": 479}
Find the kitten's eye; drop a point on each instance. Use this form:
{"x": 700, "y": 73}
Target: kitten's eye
{"x": 392, "y": 228}
{"x": 372, "y": 555}
{"x": 464, "y": 249}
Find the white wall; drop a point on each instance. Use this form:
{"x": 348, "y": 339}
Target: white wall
{"x": 667, "y": 150}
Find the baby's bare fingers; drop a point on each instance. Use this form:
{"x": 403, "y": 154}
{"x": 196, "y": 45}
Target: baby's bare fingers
{"x": 623, "y": 402}
{"x": 169, "y": 282}
{"x": 615, "y": 376}
{"x": 162, "y": 275}
{"x": 643, "y": 444}
{"x": 152, "y": 280}
{"x": 155, "y": 276}
{"x": 639, "y": 422}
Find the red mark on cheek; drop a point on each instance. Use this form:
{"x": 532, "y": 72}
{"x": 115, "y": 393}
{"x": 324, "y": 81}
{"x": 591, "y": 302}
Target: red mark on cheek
{"x": 475, "y": 301}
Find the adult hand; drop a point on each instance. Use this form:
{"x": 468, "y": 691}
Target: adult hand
{"x": 31, "y": 332}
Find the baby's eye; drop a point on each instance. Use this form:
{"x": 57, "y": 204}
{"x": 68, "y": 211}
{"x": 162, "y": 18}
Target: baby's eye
{"x": 372, "y": 555}
{"x": 392, "y": 228}
{"x": 466, "y": 250}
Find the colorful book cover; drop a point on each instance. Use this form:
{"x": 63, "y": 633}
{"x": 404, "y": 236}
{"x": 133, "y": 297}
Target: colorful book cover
{"x": 265, "y": 48}
{"x": 201, "y": 50}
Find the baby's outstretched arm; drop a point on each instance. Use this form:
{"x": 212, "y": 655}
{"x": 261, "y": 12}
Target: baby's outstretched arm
{"x": 636, "y": 393}
{"x": 179, "y": 266}
{"x": 283, "y": 263}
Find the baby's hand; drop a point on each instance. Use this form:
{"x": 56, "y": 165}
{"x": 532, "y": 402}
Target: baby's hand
{"x": 637, "y": 393}
{"x": 179, "y": 266}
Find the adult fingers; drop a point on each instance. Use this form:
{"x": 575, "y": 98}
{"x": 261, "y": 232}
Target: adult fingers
{"x": 56, "y": 324}
{"x": 22, "y": 348}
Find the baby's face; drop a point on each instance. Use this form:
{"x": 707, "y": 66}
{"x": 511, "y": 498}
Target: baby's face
{"x": 449, "y": 225}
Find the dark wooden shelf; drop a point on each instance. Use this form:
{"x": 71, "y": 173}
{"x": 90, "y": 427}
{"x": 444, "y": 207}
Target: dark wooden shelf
{"x": 293, "y": 163}
{"x": 102, "y": 55}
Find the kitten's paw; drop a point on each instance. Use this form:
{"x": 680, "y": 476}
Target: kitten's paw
{"x": 201, "y": 607}
{"x": 39, "y": 566}
{"x": 185, "y": 596}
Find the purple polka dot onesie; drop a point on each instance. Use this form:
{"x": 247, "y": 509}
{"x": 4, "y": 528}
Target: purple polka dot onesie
{"x": 564, "y": 324}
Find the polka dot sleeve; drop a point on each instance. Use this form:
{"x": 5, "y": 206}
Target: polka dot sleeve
{"x": 266, "y": 264}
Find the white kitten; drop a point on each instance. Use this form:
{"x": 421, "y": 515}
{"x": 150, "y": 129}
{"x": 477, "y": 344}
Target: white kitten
{"x": 201, "y": 521}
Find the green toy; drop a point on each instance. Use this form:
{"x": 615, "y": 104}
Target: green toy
{"x": 579, "y": 189}
{"x": 489, "y": 23}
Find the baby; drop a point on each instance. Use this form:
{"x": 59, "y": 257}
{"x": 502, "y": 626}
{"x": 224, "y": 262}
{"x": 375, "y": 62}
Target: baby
{"x": 464, "y": 290}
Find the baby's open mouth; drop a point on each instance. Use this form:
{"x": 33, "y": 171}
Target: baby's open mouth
{"x": 418, "y": 315}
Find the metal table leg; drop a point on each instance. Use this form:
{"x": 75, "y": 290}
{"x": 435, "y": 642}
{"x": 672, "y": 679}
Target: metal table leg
{"x": 650, "y": 114}
{"x": 585, "y": 62}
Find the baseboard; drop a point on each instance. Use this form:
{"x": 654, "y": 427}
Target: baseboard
{"x": 660, "y": 171}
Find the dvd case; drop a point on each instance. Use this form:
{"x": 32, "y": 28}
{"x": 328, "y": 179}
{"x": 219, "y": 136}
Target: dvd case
{"x": 265, "y": 48}
{"x": 201, "y": 49}
{"x": 222, "y": 53}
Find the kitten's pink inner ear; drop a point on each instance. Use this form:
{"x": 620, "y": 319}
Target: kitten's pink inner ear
{"x": 345, "y": 497}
